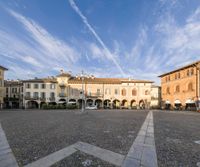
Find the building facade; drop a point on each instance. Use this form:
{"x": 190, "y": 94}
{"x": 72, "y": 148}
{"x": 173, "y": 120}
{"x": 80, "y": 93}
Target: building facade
{"x": 13, "y": 94}
{"x": 155, "y": 97}
{"x": 181, "y": 88}
{"x": 2, "y": 88}
{"x": 103, "y": 92}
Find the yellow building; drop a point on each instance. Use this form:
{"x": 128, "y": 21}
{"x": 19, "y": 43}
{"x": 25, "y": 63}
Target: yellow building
{"x": 2, "y": 88}
{"x": 181, "y": 87}
{"x": 103, "y": 92}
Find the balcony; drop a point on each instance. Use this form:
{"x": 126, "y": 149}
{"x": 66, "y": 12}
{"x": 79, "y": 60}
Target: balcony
{"x": 62, "y": 95}
{"x": 52, "y": 99}
{"x": 31, "y": 98}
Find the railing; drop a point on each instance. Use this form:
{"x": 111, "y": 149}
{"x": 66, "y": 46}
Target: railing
{"x": 31, "y": 98}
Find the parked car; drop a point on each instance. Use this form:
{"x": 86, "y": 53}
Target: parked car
{"x": 93, "y": 107}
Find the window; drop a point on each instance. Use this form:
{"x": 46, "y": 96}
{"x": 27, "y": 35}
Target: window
{"x": 13, "y": 90}
{"x": 35, "y": 94}
{"x": 116, "y": 91}
{"x": 98, "y": 91}
{"x": 1, "y": 83}
{"x": 43, "y": 86}
{"x": 28, "y": 85}
{"x": 188, "y": 73}
{"x": 134, "y": 92}
{"x": 52, "y": 95}
{"x": 107, "y": 91}
{"x": 123, "y": 92}
{"x": 35, "y": 86}
{"x": 192, "y": 72}
{"x": 176, "y": 76}
{"x": 6, "y": 90}
{"x": 146, "y": 92}
{"x": 168, "y": 90}
{"x": 177, "y": 89}
{"x": 179, "y": 75}
{"x": 28, "y": 94}
{"x": 43, "y": 95}
{"x": 190, "y": 86}
{"x": 52, "y": 86}
{"x": 89, "y": 92}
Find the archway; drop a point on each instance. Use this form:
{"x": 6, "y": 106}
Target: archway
{"x": 32, "y": 104}
{"x": 98, "y": 103}
{"x": 124, "y": 104}
{"x": 177, "y": 104}
{"x": 62, "y": 102}
{"x": 107, "y": 103}
{"x": 89, "y": 102}
{"x": 42, "y": 104}
{"x": 167, "y": 105}
{"x": 133, "y": 104}
{"x": 52, "y": 103}
{"x": 141, "y": 104}
{"x": 116, "y": 104}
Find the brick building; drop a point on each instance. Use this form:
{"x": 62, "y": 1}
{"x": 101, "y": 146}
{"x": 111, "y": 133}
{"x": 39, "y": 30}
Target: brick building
{"x": 180, "y": 88}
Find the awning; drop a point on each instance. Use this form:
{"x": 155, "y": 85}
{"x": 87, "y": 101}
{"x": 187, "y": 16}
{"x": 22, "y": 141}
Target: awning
{"x": 167, "y": 102}
{"x": 189, "y": 101}
{"x": 71, "y": 102}
{"x": 177, "y": 102}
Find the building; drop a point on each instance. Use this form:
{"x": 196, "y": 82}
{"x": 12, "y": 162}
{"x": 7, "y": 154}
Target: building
{"x": 181, "y": 87}
{"x": 13, "y": 94}
{"x": 103, "y": 92}
{"x": 2, "y": 88}
{"x": 155, "y": 97}
{"x": 39, "y": 91}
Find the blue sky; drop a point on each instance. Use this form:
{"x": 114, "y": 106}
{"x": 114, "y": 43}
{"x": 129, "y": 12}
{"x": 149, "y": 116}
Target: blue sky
{"x": 106, "y": 38}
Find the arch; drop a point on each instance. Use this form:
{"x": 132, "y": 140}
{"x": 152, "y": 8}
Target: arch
{"x": 134, "y": 92}
{"x": 80, "y": 103}
{"x": 89, "y": 102}
{"x": 123, "y": 92}
{"x": 116, "y": 103}
{"x": 98, "y": 103}
{"x": 32, "y": 104}
{"x": 141, "y": 104}
{"x": 42, "y": 103}
{"x": 72, "y": 100}
{"x": 124, "y": 104}
{"x": 177, "y": 104}
{"x": 133, "y": 104}
{"x": 52, "y": 103}
{"x": 107, "y": 103}
{"x": 62, "y": 101}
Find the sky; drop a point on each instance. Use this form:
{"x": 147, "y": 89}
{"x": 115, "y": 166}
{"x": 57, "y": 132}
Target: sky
{"x": 140, "y": 39}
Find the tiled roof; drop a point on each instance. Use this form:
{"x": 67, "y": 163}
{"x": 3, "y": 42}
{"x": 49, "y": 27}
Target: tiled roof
{"x": 42, "y": 80}
{"x": 64, "y": 75}
{"x": 106, "y": 80}
{"x": 186, "y": 66}
{"x": 3, "y": 68}
{"x": 12, "y": 83}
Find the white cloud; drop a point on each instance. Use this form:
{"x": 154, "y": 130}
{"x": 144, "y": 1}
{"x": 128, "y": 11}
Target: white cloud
{"x": 41, "y": 50}
{"x": 107, "y": 52}
{"x": 180, "y": 43}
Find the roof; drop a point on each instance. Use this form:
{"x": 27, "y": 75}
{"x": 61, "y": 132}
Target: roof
{"x": 106, "y": 80}
{"x": 64, "y": 75}
{"x": 3, "y": 68}
{"x": 12, "y": 82}
{"x": 42, "y": 80}
{"x": 184, "y": 67}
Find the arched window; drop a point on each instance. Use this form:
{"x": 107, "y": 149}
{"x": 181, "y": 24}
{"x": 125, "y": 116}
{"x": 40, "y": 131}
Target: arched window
{"x": 123, "y": 92}
{"x": 190, "y": 86}
{"x": 134, "y": 92}
{"x": 188, "y": 72}
{"x": 192, "y": 71}
{"x": 146, "y": 92}
{"x": 177, "y": 90}
{"x": 168, "y": 90}
{"x": 179, "y": 75}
